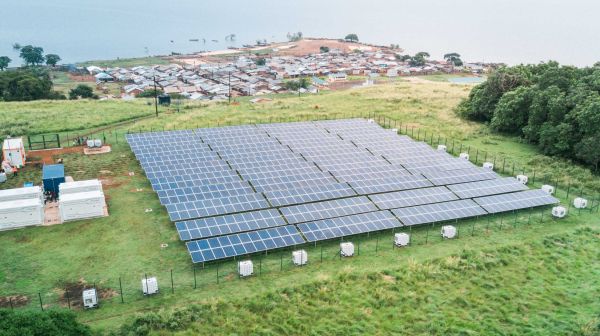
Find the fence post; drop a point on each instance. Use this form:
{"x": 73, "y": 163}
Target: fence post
{"x": 41, "y": 304}
{"x": 68, "y": 297}
{"x": 172, "y": 284}
{"x": 217, "y": 273}
{"x": 121, "y": 290}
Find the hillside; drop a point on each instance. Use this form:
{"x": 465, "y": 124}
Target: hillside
{"x": 465, "y": 286}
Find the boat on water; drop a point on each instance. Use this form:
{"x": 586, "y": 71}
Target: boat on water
{"x": 194, "y": 40}
{"x": 216, "y": 41}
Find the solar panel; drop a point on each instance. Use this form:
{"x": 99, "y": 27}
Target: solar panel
{"x": 515, "y": 201}
{"x": 327, "y": 209}
{"x": 331, "y": 178}
{"x": 243, "y": 243}
{"x": 488, "y": 187}
{"x": 390, "y": 184}
{"x": 349, "y": 225}
{"x": 438, "y": 212}
{"x": 412, "y": 197}
{"x": 460, "y": 176}
{"x": 228, "y": 224}
{"x": 216, "y": 206}
{"x": 309, "y": 194}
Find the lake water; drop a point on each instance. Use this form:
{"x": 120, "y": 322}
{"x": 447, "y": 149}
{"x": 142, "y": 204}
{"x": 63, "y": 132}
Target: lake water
{"x": 511, "y": 31}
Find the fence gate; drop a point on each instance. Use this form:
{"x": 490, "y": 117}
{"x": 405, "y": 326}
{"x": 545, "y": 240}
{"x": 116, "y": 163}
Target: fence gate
{"x": 44, "y": 141}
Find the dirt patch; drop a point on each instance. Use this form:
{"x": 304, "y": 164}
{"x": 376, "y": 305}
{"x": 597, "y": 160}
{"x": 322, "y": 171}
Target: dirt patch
{"x": 48, "y": 156}
{"x": 13, "y": 301}
{"x": 388, "y": 278}
{"x": 109, "y": 183}
{"x": 72, "y": 293}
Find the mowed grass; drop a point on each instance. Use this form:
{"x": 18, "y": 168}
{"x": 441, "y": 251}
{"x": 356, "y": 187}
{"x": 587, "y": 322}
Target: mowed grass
{"x": 127, "y": 244}
{"x": 42, "y": 117}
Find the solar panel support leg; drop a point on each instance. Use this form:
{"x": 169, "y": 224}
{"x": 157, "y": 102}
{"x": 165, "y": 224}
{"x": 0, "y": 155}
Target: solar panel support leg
{"x": 172, "y": 284}
{"x": 41, "y": 304}
{"x": 195, "y": 283}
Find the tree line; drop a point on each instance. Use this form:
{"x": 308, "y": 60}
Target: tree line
{"x": 556, "y": 107}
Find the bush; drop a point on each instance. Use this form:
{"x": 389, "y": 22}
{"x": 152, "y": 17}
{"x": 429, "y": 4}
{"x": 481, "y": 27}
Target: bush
{"x": 82, "y": 91}
{"x": 34, "y": 323}
{"x": 26, "y": 84}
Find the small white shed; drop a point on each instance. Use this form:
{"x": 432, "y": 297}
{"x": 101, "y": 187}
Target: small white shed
{"x": 21, "y": 193}
{"x": 81, "y": 205}
{"x": 79, "y": 186}
{"x": 20, "y": 213}
{"x": 13, "y": 151}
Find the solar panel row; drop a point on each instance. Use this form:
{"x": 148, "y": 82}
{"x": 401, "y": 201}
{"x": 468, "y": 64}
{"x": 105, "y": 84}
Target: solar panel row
{"x": 236, "y": 190}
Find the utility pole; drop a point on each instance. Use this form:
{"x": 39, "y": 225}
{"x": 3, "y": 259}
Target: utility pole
{"x": 229, "y": 87}
{"x": 155, "y": 96}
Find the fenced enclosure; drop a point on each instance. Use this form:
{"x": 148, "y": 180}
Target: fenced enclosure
{"x": 127, "y": 288}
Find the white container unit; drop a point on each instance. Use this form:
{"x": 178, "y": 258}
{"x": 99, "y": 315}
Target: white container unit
{"x": 149, "y": 286}
{"x": 347, "y": 249}
{"x": 559, "y": 211}
{"x": 442, "y": 148}
{"x": 79, "y": 186}
{"x": 81, "y": 205}
{"x": 548, "y": 188}
{"x": 449, "y": 231}
{"x": 20, "y": 213}
{"x": 90, "y": 298}
{"x": 13, "y": 151}
{"x": 245, "y": 268}
{"x": 2, "y": 177}
{"x": 401, "y": 239}
{"x": 523, "y": 179}
{"x": 580, "y": 203}
{"x": 488, "y": 165}
{"x": 21, "y": 193}
{"x": 464, "y": 156}
{"x": 300, "y": 257}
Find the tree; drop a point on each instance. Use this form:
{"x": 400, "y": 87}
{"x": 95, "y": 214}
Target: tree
{"x": 34, "y": 323}
{"x": 295, "y": 85}
{"x": 453, "y": 58}
{"x": 26, "y": 84}
{"x": 419, "y": 59}
{"x": 16, "y": 46}
{"x": 351, "y": 38}
{"x": 32, "y": 55}
{"x": 52, "y": 59}
{"x": 82, "y": 91}
{"x": 261, "y": 61}
{"x": 4, "y": 61}
{"x": 295, "y": 37}
{"x": 324, "y": 49}
{"x": 403, "y": 58}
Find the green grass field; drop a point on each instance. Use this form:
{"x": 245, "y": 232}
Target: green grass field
{"x": 512, "y": 275}
{"x": 126, "y": 62}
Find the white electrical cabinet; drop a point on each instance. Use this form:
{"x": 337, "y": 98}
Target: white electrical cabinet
{"x": 20, "y": 193}
{"x": 442, "y": 148}
{"x": 559, "y": 211}
{"x": 464, "y": 156}
{"x": 79, "y": 186}
{"x": 90, "y": 298}
{"x": 20, "y": 213}
{"x": 580, "y": 203}
{"x": 81, "y": 205}
{"x": 149, "y": 286}
{"x": 449, "y": 231}
{"x": 347, "y": 249}
{"x": 488, "y": 165}
{"x": 523, "y": 179}
{"x": 401, "y": 239}
{"x": 13, "y": 151}
{"x": 245, "y": 268}
{"x": 548, "y": 188}
{"x": 300, "y": 257}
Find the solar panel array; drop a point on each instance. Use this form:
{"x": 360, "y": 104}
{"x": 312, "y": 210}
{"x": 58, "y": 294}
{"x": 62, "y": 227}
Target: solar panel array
{"x": 245, "y": 189}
